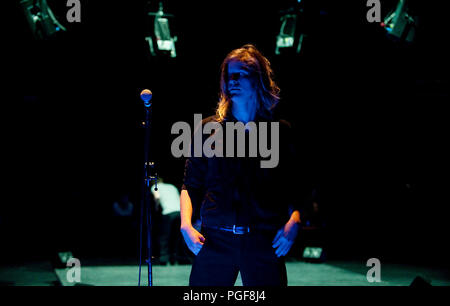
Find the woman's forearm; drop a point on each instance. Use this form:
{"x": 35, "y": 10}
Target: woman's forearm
{"x": 185, "y": 209}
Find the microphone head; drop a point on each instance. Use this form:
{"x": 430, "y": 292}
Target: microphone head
{"x": 146, "y": 96}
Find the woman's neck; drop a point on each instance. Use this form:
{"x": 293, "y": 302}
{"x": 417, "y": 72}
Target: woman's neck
{"x": 244, "y": 112}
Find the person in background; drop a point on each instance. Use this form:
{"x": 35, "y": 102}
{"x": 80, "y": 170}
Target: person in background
{"x": 123, "y": 225}
{"x": 123, "y": 207}
{"x": 171, "y": 248}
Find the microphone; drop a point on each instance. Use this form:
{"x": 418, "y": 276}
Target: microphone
{"x": 146, "y": 96}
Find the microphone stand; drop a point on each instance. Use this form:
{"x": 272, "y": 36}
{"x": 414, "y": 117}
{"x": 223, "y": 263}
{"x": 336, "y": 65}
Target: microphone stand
{"x": 149, "y": 175}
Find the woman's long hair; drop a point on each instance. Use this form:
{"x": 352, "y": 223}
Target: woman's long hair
{"x": 259, "y": 66}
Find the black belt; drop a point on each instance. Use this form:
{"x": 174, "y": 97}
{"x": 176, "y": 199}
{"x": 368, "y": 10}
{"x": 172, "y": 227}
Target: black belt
{"x": 241, "y": 230}
{"x": 237, "y": 230}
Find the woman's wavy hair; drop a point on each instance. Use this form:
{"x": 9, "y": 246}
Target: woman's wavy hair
{"x": 258, "y": 66}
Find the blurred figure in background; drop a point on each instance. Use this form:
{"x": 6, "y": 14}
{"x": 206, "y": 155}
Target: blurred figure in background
{"x": 124, "y": 225}
{"x": 171, "y": 246}
{"x": 123, "y": 207}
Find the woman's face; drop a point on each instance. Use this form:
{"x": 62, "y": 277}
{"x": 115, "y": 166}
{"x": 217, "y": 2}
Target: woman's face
{"x": 240, "y": 82}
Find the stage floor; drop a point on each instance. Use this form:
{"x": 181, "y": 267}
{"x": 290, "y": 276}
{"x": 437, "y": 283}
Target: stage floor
{"x": 299, "y": 274}
{"x": 123, "y": 273}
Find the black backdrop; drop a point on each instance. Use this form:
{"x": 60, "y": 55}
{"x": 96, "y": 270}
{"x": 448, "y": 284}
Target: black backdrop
{"x": 364, "y": 109}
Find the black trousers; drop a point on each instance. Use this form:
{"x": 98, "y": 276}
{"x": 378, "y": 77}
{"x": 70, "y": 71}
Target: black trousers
{"x": 225, "y": 254}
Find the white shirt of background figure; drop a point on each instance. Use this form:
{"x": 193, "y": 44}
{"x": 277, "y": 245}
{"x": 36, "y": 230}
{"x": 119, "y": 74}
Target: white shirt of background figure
{"x": 168, "y": 196}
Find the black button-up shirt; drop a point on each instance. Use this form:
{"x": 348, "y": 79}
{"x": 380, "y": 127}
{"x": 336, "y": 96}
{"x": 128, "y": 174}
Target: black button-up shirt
{"x": 237, "y": 191}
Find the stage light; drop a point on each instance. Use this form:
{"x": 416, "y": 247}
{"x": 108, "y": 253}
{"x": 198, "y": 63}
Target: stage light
{"x": 289, "y": 38}
{"x": 399, "y": 24}
{"x": 40, "y": 18}
{"x": 287, "y": 32}
{"x": 165, "y": 42}
{"x": 311, "y": 252}
{"x": 314, "y": 254}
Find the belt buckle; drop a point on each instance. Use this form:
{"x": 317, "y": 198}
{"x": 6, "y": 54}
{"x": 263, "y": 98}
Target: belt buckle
{"x": 240, "y": 233}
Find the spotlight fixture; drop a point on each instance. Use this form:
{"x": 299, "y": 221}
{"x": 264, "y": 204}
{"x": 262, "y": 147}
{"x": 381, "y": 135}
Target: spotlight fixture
{"x": 165, "y": 42}
{"x": 399, "y": 24}
{"x": 42, "y": 21}
{"x": 313, "y": 254}
{"x": 290, "y": 37}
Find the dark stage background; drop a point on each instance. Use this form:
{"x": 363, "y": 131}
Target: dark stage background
{"x": 367, "y": 111}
